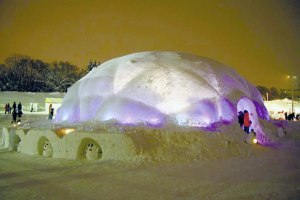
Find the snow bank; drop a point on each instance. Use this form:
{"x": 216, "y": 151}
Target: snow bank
{"x": 158, "y": 146}
{"x": 134, "y": 143}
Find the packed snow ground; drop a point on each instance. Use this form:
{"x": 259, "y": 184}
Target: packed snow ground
{"x": 255, "y": 173}
{"x": 273, "y": 174}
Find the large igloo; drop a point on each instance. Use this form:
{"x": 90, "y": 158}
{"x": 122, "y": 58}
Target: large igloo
{"x": 154, "y": 87}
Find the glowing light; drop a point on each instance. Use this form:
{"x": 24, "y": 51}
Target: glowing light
{"x": 254, "y": 140}
{"x": 68, "y": 130}
{"x": 64, "y": 131}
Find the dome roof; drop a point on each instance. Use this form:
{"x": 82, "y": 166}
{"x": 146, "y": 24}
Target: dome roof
{"x": 150, "y": 87}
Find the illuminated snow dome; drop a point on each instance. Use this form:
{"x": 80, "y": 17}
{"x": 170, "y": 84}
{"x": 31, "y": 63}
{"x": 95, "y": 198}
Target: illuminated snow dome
{"x": 154, "y": 87}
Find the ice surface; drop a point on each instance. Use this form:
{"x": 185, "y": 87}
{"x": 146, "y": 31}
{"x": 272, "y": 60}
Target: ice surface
{"x": 151, "y": 87}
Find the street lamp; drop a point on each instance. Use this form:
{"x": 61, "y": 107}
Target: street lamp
{"x": 292, "y": 78}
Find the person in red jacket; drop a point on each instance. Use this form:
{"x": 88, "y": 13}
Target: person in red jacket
{"x": 247, "y": 121}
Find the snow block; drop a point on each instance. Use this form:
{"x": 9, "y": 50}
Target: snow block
{"x": 8, "y": 138}
{"x": 112, "y": 146}
{"x": 76, "y": 145}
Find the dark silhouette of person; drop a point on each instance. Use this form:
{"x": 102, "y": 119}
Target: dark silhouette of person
{"x": 14, "y": 115}
{"x": 286, "y": 115}
{"x": 51, "y": 113}
{"x": 6, "y": 109}
{"x": 9, "y": 108}
{"x": 14, "y": 106}
{"x": 241, "y": 118}
{"x": 291, "y": 117}
{"x": 20, "y": 110}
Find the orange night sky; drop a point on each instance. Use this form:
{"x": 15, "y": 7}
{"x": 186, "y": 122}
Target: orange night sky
{"x": 258, "y": 38}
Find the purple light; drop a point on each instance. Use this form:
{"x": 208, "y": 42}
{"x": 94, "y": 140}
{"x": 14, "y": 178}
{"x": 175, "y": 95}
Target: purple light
{"x": 190, "y": 90}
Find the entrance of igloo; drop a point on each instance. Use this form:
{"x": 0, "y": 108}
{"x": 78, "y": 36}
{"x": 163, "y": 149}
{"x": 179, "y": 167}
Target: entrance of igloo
{"x": 246, "y": 104}
{"x": 89, "y": 149}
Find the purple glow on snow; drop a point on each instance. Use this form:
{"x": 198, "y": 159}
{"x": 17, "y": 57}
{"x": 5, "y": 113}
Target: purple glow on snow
{"x": 261, "y": 111}
{"x": 193, "y": 91}
{"x": 88, "y": 106}
{"x": 227, "y": 111}
{"x": 127, "y": 111}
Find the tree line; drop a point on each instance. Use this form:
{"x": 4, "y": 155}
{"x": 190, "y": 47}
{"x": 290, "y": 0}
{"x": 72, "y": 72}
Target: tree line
{"x": 25, "y": 74}
{"x": 273, "y": 93}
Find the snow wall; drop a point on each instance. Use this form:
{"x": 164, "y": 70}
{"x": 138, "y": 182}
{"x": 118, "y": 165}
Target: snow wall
{"x": 78, "y": 145}
{"x": 133, "y": 144}
{"x": 153, "y": 88}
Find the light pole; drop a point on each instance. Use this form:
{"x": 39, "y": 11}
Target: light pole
{"x": 292, "y": 78}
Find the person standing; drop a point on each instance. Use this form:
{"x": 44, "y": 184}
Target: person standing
{"x": 241, "y": 118}
{"x": 247, "y": 121}
{"x": 51, "y": 113}
{"x": 6, "y": 109}
{"x": 14, "y": 115}
{"x": 14, "y": 107}
{"x": 286, "y": 116}
{"x": 19, "y": 107}
{"x": 20, "y": 113}
{"x": 9, "y": 108}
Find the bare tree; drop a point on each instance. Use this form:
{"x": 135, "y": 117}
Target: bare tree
{"x": 22, "y": 73}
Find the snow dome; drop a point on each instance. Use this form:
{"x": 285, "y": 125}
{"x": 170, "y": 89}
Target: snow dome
{"x": 155, "y": 87}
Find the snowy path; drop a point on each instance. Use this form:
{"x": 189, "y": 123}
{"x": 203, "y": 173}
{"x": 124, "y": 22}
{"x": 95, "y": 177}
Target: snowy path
{"x": 272, "y": 175}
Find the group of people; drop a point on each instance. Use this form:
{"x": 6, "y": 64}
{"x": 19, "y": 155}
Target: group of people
{"x": 291, "y": 116}
{"x": 7, "y": 108}
{"x": 244, "y": 120}
{"x": 15, "y": 110}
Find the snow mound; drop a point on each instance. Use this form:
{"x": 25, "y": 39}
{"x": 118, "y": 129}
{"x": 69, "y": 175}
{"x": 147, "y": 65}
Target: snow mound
{"x": 150, "y": 87}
